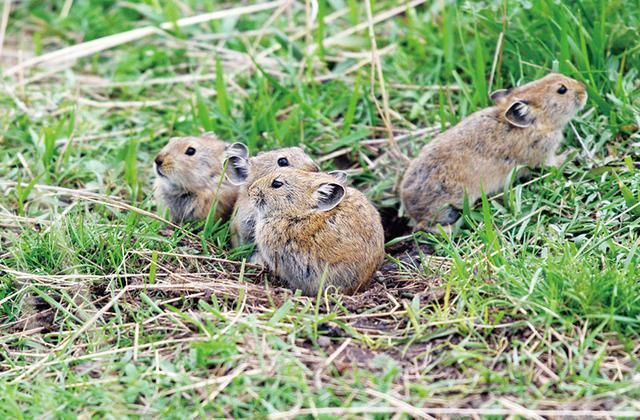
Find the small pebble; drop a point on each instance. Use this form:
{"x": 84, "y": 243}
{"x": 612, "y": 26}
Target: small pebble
{"x": 324, "y": 341}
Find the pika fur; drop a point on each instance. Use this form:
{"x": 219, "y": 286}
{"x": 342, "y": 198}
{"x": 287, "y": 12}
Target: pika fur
{"x": 190, "y": 178}
{"x": 311, "y": 227}
{"x": 242, "y": 170}
{"x": 524, "y": 127}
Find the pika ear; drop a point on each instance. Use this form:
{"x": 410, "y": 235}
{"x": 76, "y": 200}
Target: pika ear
{"x": 238, "y": 150}
{"x": 328, "y": 196}
{"x": 498, "y": 95}
{"x": 519, "y": 114}
{"x": 340, "y": 176}
{"x": 237, "y": 170}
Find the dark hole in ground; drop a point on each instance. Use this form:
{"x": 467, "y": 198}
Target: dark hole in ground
{"x": 343, "y": 162}
{"x": 394, "y": 226}
{"x": 408, "y": 252}
{"x": 35, "y": 313}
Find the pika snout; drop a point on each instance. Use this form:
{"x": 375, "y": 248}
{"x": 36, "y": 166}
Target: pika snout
{"x": 581, "y": 97}
{"x": 159, "y": 160}
{"x": 257, "y": 197}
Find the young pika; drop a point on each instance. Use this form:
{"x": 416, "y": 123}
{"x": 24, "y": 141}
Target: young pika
{"x": 524, "y": 127}
{"x": 311, "y": 227}
{"x": 190, "y": 178}
{"x": 242, "y": 170}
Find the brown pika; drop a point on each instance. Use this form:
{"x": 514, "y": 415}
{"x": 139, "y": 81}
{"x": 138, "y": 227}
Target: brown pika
{"x": 242, "y": 170}
{"x": 190, "y": 178}
{"x": 523, "y": 128}
{"x": 311, "y": 228}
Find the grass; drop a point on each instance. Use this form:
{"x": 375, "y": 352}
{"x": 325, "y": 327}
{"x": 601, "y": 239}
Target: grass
{"x": 109, "y": 311}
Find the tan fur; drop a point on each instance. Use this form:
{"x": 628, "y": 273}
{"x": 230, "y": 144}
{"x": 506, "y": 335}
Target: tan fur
{"x": 190, "y": 185}
{"x": 243, "y": 222}
{"x": 300, "y": 242}
{"x": 480, "y": 152}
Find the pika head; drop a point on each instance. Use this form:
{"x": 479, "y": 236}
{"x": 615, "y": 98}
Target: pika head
{"x": 243, "y": 169}
{"x": 288, "y": 191}
{"x": 547, "y": 103}
{"x": 189, "y": 163}
{"x": 189, "y": 179}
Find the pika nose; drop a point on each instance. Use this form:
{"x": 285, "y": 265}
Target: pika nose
{"x": 158, "y": 160}
{"x": 254, "y": 191}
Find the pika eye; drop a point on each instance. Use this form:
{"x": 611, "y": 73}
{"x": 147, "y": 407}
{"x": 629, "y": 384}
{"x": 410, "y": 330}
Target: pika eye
{"x": 562, "y": 89}
{"x": 276, "y": 184}
{"x": 190, "y": 151}
{"x": 283, "y": 161}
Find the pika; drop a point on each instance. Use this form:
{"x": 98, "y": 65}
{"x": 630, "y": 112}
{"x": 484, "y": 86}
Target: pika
{"x": 190, "y": 178}
{"x": 524, "y": 127}
{"x": 311, "y": 229}
{"x": 242, "y": 170}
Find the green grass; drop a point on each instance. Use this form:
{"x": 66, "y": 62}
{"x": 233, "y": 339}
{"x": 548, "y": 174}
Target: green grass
{"x": 106, "y": 311}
